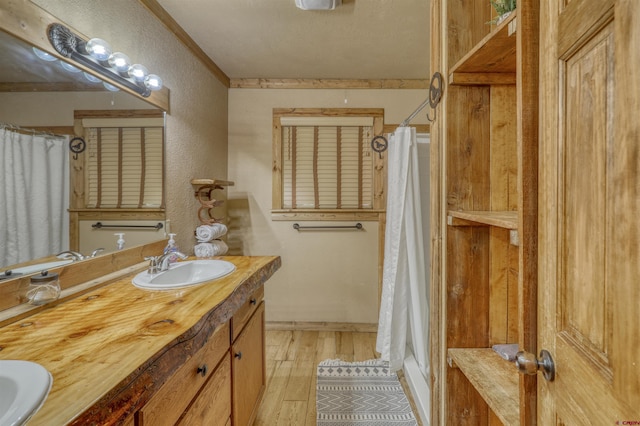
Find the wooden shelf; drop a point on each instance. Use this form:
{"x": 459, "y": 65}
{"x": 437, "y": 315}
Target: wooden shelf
{"x": 501, "y": 219}
{"x": 495, "y": 379}
{"x": 492, "y": 61}
{"x": 217, "y": 182}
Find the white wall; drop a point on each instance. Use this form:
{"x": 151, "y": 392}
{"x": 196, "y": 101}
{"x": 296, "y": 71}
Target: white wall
{"x": 325, "y": 277}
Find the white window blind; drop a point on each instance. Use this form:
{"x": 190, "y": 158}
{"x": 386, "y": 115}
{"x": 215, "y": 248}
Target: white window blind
{"x": 327, "y": 167}
{"x": 125, "y": 167}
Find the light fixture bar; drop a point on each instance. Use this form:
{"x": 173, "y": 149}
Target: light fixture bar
{"x": 69, "y": 45}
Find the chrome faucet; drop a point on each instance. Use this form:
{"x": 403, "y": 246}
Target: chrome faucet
{"x": 96, "y": 251}
{"x": 69, "y": 254}
{"x": 161, "y": 263}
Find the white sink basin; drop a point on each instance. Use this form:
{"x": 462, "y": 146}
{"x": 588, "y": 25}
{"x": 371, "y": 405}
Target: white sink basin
{"x": 184, "y": 274}
{"x": 41, "y": 266}
{"x": 24, "y": 387}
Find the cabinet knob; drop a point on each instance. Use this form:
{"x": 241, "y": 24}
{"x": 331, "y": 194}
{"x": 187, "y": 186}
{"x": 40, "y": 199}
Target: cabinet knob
{"x": 238, "y": 355}
{"x": 253, "y": 301}
{"x": 202, "y": 370}
{"x": 527, "y": 363}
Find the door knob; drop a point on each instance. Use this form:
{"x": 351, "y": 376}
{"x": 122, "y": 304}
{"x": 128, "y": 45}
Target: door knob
{"x": 527, "y": 363}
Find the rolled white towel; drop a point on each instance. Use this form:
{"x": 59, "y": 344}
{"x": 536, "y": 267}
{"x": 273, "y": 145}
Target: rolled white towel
{"x": 203, "y": 250}
{"x": 214, "y": 248}
{"x": 219, "y": 247}
{"x": 206, "y": 233}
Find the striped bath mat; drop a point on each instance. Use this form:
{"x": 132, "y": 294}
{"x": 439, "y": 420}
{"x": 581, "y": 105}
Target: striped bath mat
{"x": 359, "y": 394}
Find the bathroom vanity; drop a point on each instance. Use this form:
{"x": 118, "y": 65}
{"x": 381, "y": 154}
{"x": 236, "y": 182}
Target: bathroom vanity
{"x": 123, "y": 355}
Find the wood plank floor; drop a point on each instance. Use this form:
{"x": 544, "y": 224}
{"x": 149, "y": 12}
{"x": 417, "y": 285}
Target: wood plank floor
{"x": 292, "y": 358}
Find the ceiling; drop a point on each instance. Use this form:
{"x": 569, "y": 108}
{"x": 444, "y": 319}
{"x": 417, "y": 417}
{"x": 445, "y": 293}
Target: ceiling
{"x": 273, "y": 39}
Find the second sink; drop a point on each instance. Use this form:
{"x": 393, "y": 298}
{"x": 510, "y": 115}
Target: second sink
{"x": 24, "y": 386}
{"x": 184, "y": 274}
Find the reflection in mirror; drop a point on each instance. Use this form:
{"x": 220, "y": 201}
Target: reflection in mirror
{"x": 38, "y": 98}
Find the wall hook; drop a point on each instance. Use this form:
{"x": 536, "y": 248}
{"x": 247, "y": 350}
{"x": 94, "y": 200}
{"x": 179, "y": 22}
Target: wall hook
{"x": 77, "y": 145}
{"x": 379, "y": 144}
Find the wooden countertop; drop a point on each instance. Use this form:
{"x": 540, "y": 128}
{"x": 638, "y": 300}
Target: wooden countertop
{"x": 105, "y": 349}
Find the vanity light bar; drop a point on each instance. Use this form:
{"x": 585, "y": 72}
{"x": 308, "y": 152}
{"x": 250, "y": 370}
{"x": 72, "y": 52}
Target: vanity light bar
{"x": 69, "y": 45}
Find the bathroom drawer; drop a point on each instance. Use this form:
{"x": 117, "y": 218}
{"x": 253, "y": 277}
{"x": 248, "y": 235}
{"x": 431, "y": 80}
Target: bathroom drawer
{"x": 243, "y": 314}
{"x": 173, "y": 398}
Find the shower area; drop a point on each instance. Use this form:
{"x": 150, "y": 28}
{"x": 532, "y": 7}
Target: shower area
{"x": 403, "y": 329}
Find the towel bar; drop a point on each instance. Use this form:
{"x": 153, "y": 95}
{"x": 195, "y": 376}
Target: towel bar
{"x": 99, "y": 225}
{"x": 297, "y": 226}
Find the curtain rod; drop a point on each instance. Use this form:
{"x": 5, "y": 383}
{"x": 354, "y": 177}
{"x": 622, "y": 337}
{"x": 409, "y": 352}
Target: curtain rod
{"x": 414, "y": 113}
{"x": 27, "y": 131}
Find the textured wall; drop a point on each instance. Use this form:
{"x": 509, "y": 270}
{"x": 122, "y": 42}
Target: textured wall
{"x": 196, "y": 129}
{"x": 325, "y": 276}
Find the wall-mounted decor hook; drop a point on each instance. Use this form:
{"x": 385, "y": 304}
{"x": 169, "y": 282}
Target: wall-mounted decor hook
{"x": 435, "y": 94}
{"x": 77, "y": 145}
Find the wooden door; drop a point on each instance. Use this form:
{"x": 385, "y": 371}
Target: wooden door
{"x": 589, "y": 202}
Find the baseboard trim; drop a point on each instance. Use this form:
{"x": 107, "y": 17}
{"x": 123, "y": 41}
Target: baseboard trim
{"x": 321, "y": 326}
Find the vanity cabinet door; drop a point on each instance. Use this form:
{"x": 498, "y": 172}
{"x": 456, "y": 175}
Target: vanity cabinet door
{"x": 171, "y": 401}
{"x": 212, "y": 406}
{"x": 248, "y": 369}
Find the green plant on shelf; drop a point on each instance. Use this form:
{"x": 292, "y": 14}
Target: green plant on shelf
{"x": 503, "y": 8}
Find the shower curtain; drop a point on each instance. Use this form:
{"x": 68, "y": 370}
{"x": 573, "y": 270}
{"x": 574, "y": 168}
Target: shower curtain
{"x": 403, "y": 308}
{"x": 34, "y": 221}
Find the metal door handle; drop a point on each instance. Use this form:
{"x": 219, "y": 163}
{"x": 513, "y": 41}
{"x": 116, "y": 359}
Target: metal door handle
{"x": 527, "y": 363}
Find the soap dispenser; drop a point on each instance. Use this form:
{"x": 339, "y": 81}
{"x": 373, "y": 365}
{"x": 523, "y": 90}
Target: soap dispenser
{"x": 171, "y": 247}
{"x": 120, "y": 242}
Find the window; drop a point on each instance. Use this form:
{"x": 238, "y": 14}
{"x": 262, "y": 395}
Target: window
{"x": 124, "y": 163}
{"x": 323, "y": 161}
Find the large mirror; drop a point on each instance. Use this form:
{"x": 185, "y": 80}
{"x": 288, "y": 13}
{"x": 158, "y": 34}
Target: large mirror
{"x": 37, "y": 95}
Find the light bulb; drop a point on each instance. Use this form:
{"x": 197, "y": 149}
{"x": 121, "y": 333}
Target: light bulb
{"x": 44, "y": 55}
{"x": 92, "y": 78}
{"x": 98, "y": 49}
{"x": 153, "y": 82}
{"x": 119, "y": 61}
{"x": 110, "y": 87}
{"x": 69, "y": 67}
{"x": 138, "y": 72}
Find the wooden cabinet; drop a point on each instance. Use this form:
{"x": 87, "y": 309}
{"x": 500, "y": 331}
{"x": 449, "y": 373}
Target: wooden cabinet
{"x": 249, "y": 378}
{"x": 202, "y": 375}
{"x": 223, "y": 383}
{"x": 487, "y": 137}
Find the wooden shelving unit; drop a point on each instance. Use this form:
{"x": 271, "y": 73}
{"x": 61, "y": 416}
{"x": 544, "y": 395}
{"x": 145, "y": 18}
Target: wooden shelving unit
{"x": 492, "y": 61}
{"x": 494, "y": 378}
{"x": 490, "y": 180}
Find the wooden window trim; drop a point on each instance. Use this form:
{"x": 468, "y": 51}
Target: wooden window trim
{"x": 78, "y": 194}
{"x": 379, "y": 168}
